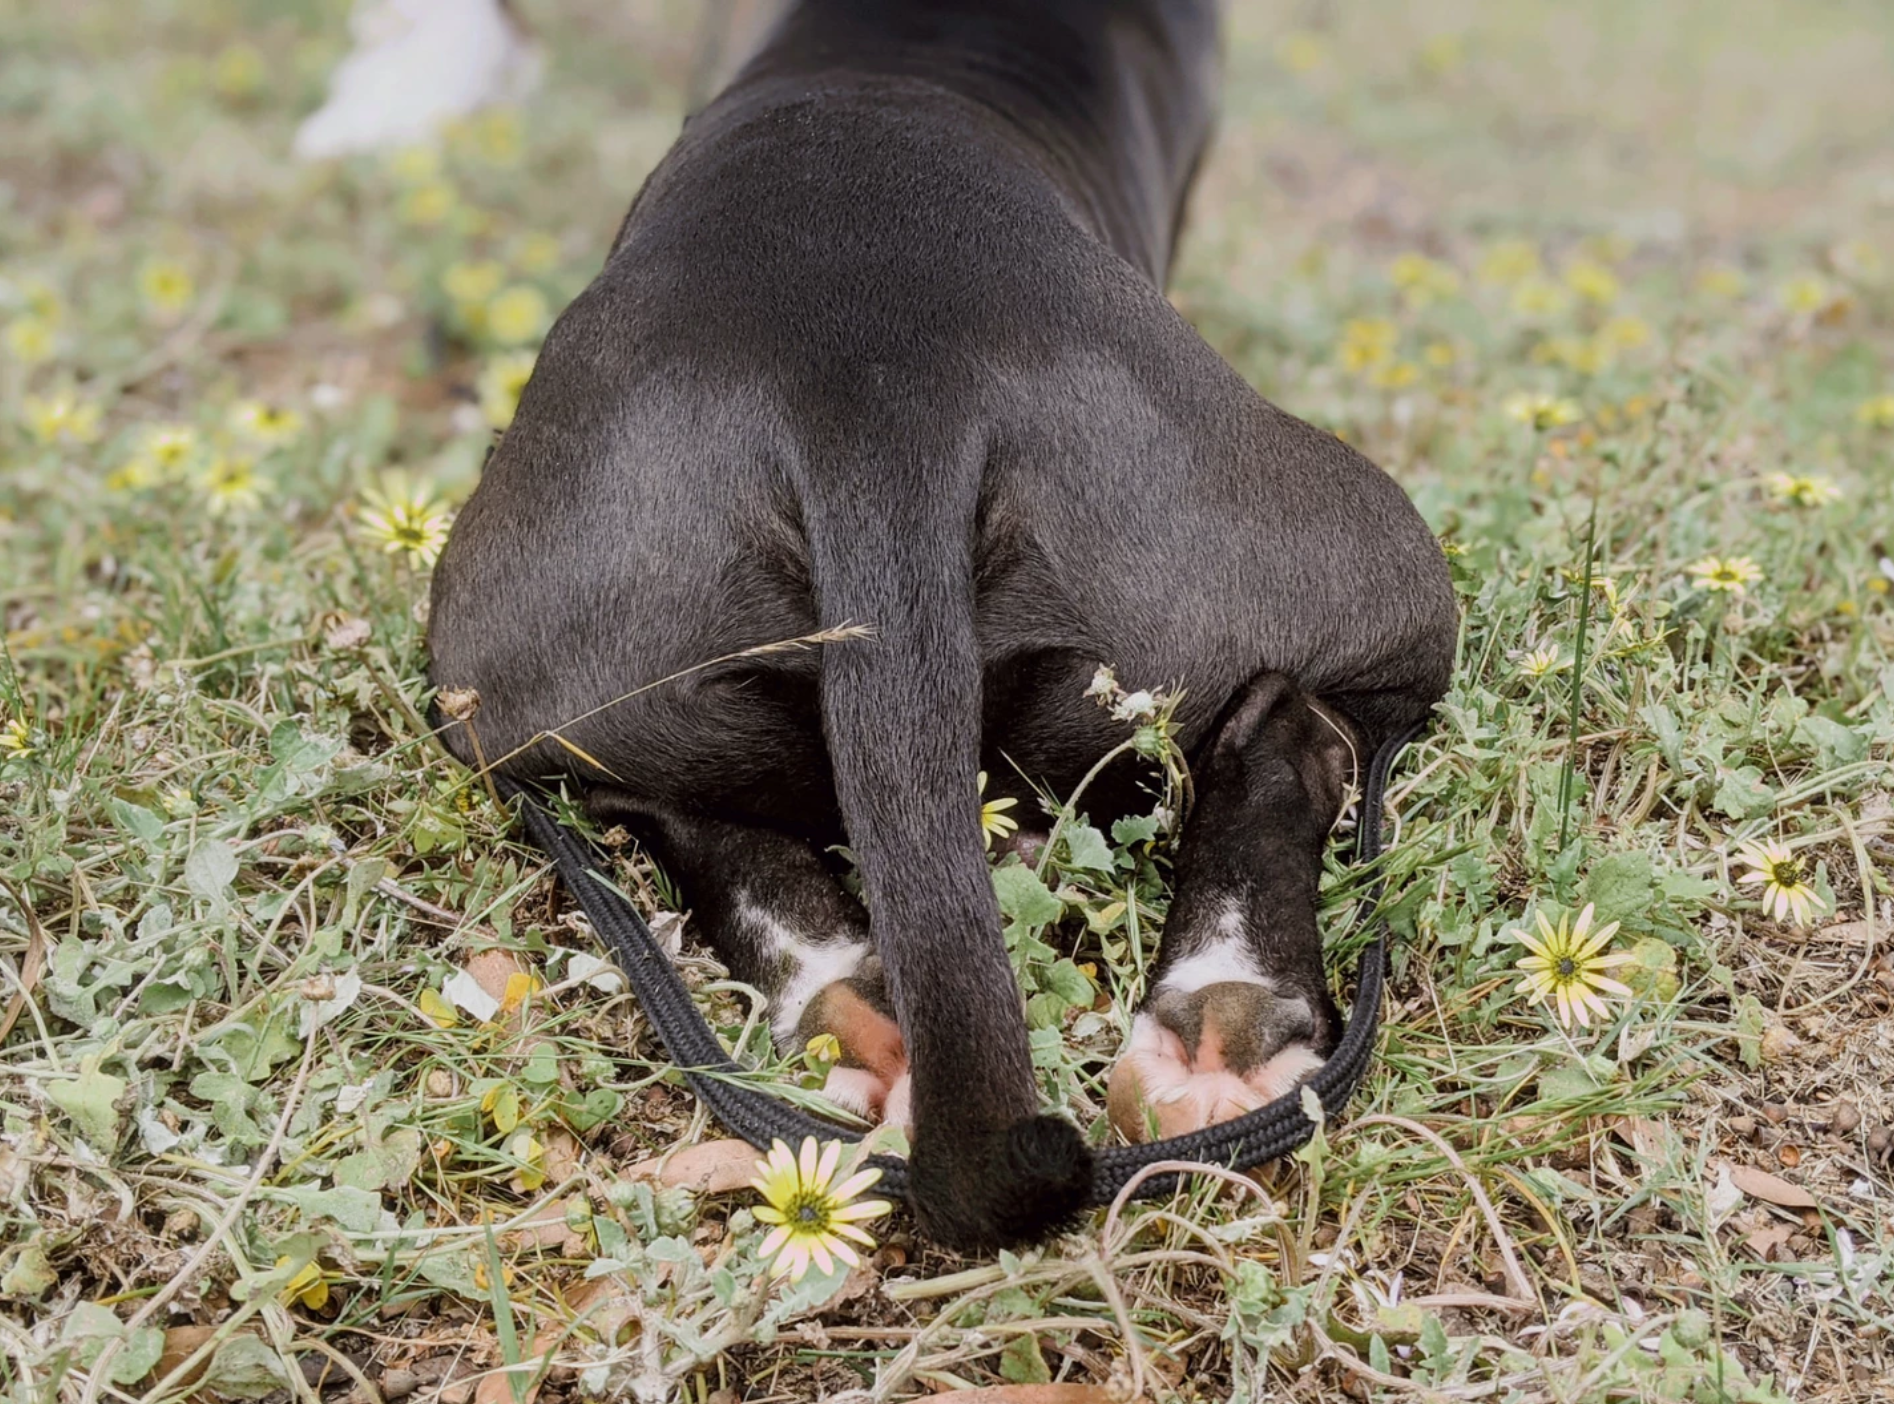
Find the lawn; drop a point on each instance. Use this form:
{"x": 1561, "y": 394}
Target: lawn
{"x": 313, "y": 1086}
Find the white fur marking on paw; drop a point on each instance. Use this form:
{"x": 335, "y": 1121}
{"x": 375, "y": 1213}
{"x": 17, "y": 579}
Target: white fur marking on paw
{"x": 1281, "y": 1073}
{"x": 1226, "y": 958}
{"x": 814, "y": 965}
{"x": 898, "y": 1107}
{"x": 856, "y": 1090}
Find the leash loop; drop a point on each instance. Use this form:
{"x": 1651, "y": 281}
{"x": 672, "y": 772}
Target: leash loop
{"x": 1264, "y": 1134}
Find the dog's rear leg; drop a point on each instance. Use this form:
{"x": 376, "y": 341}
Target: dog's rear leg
{"x": 770, "y": 909}
{"x": 1239, "y": 1011}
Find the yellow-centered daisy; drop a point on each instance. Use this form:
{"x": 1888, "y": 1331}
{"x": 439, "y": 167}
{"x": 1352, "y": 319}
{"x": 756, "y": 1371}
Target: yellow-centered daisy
{"x": 995, "y": 822}
{"x": 1804, "y": 490}
{"x": 1784, "y": 879}
{"x": 16, "y": 739}
{"x": 1730, "y": 575}
{"x": 1542, "y": 660}
{"x": 1542, "y": 411}
{"x": 811, "y": 1219}
{"x": 1567, "y": 964}
{"x": 400, "y": 516}
{"x": 269, "y": 425}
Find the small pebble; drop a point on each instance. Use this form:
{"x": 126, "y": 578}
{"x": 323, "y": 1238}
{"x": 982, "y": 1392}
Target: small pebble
{"x": 1844, "y": 1118}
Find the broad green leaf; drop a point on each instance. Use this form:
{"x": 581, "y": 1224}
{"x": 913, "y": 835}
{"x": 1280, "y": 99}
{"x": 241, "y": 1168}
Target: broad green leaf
{"x": 1086, "y": 848}
{"x": 91, "y": 1100}
{"x": 1023, "y": 897}
{"x": 210, "y": 870}
{"x": 1620, "y": 886}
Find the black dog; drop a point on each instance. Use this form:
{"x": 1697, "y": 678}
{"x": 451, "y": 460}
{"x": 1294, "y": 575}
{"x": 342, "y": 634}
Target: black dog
{"x": 881, "y": 342}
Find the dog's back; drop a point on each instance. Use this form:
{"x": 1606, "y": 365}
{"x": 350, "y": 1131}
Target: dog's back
{"x": 863, "y": 344}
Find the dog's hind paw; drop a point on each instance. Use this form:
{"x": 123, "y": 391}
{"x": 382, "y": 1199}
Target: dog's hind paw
{"x": 871, "y": 1077}
{"x": 1212, "y": 1055}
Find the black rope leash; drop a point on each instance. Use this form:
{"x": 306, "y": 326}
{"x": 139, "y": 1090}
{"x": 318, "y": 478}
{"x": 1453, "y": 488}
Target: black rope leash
{"x": 1251, "y": 1139}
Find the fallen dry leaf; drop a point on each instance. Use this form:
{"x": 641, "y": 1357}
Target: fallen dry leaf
{"x": 1039, "y": 1394}
{"x": 180, "y": 1344}
{"x": 30, "y": 965}
{"x": 545, "y": 1227}
{"x": 713, "y": 1167}
{"x": 1855, "y": 933}
{"x": 1771, "y": 1189}
{"x": 607, "y": 1305}
{"x": 1766, "y": 1243}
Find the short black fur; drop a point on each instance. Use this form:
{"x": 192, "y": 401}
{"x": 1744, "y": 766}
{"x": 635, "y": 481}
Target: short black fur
{"x": 882, "y": 342}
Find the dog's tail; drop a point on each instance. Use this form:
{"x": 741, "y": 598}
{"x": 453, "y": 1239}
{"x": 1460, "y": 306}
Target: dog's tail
{"x": 902, "y": 714}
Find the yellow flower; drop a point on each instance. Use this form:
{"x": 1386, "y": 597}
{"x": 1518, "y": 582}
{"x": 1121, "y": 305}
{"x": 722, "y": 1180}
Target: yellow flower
{"x": 1876, "y": 412}
{"x": 473, "y": 282}
{"x": 231, "y": 483}
{"x": 164, "y": 455}
{"x": 1731, "y": 575}
{"x": 1396, "y": 376}
{"x": 1625, "y": 333}
{"x": 415, "y": 165}
{"x": 500, "y": 386}
{"x": 1442, "y": 54}
{"x": 1545, "y": 659}
{"x": 427, "y": 205}
{"x": 812, "y": 1219}
{"x": 1720, "y": 280}
{"x": 30, "y": 340}
{"x": 43, "y": 301}
{"x": 1586, "y": 355}
{"x": 166, "y": 288}
{"x": 1566, "y": 966}
{"x": 1803, "y": 294}
{"x": 1803, "y": 490}
{"x": 995, "y": 822}
{"x": 1784, "y": 879}
{"x": 308, "y": 1287}
{"x": 178, "y": 801}
{"x": 1440, "y": 354}
{"x": 169, "y": 447}
{"x": 16, "y": 739}
{"x": 268, "y": 426}
{"x": 1422, "y": 279}
{"x": 536, "y": 253}
{"x": 402, "y": 517}
{"x": 1301, "y": 51}
{"x": 1541, "y": 411}
{"x": 516, "y": 315}
{"x": 1592, "y": 281}
{"x": 238, "y": 72}
{"x": 1607, "y": 248}
{"x": 1508, "y": 261}
{"x": 1534, "y": 296}
{"x": 1367, "y": 342}
{"x": 61, "y": 418}
{"x": 492, "y": 136}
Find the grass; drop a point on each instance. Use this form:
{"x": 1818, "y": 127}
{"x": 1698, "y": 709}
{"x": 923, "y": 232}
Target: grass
{"x": 1583, "y": 277}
